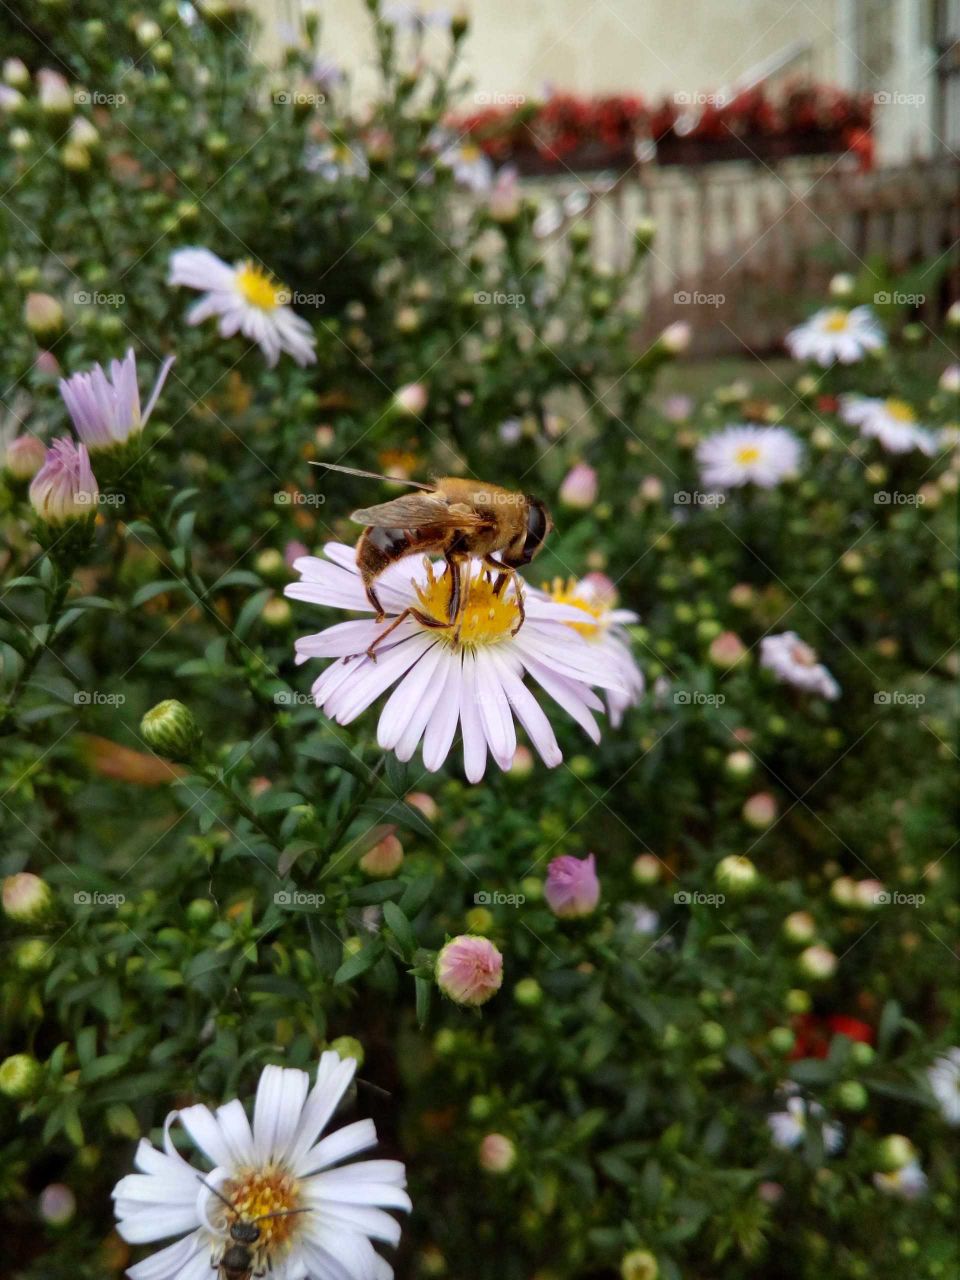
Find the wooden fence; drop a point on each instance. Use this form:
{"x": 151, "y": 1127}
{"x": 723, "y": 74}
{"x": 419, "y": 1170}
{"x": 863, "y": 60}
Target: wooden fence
{"x": 741, "y": 248}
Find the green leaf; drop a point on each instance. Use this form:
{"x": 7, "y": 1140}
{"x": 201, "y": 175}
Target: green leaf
{"x": 250, "y": 612}
{"x": 354, "y": 966}
{"x": 151, "y": 590}
{"x": 399, "y": 812}
{"x": 889, "y": 1024}
{"x": 424, "y": 990}
{"x": 400, "y": 928}
{"x": 415, "y": 895}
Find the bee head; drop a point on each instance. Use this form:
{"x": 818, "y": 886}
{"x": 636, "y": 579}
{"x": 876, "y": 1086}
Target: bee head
{"x": 245, "y": 1232}
{"x": 539, "y": 525}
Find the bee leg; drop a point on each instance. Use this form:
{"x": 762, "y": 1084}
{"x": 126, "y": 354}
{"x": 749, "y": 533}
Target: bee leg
{"x": 374, "y": 600}
{"x": 423, "y": 618}
{"x": 504, "y": 573}
{"x": 456, "y": 605}
{"x": 520, "y": 609}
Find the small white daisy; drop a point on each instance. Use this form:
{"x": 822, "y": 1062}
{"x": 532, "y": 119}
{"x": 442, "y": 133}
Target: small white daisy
{"x": 470, "y": 166}
{"x": 741, "y": 455}
{"x": 944, "y": 1080}
{"x": 471, "y": 675}
{"x": 275, "y": 1189}
{"x": 247, "y": 300}
{"x": 794, "y": 662}
{"x": 334, "y": 161}
{"x": 909, "y": 1183}
{"x": 891, "y": 422}
{"x": 603, "y": 627}
{"x": 788, "y": 1128}
{"x": 836, "y": 334}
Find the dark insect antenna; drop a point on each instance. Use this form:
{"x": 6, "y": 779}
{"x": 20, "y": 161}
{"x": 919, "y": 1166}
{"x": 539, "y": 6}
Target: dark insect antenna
{"x": 218, "y": 1194}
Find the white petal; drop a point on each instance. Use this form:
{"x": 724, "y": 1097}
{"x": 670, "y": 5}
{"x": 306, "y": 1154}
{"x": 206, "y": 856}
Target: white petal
{"x": 174, "y": 1262}
{"x": 332, "y": 1081}
{"x": 474, "y": 742}
{"x": 339, "y": 1145}
{"x": 407, "y": 699}
{"x": 281, "y": 1094}
{"x": 441, "y": 728}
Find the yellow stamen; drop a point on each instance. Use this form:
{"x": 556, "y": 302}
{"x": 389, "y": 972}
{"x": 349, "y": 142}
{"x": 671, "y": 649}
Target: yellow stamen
{"x": 900, "y": 410}
{"x": 746, "y": 454}
{"x": 267, "y": 1190}
{"x": 258, "y": 288}
{"x": 837, "y": 321}
{"x": 567, "y": 593}
{"x": 486, "y": 619}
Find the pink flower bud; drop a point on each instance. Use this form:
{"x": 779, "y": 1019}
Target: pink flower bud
{"x": 726, "y": 650}
{"x": 58, "y": 1204}
{"x": 817, "y": 962}
{"x": 47, "y": 363}
{"x": 26, "y": 898}
{"x": 42, "y": 314}
{"x": 411, "y": 399}
{"x": 469, "y": 970}
{"x": 572, "y": 889}
{"x": 24, "y": 457}
{"x": 760, "y": 810}
{"x": 53, "y": 93}
{"x": 497, "y": 1153}
{"x": 675, "y": 338}
{"x": 579, "y": 489}
{"x": 64, "y": 488}
{"x": 384, "y": 859}
{"x": 425, "y": 803}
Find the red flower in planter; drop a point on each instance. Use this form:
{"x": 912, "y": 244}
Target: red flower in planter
{"x": 814, "y": 1033}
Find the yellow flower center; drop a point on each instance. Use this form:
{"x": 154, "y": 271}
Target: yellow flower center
{"x": 261, "y": 1191}
{"x": 469, "y": 152}
{"x": 900, "y": 410}
{"x": 836, "y": 321}
{"x": 258, "y": 288}
{"x": 566, "y": 593}
{"x": 747, "y": 453}
{"x": 485, "y": 618}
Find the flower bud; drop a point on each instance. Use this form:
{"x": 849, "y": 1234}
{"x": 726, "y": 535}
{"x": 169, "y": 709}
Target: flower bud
{"x": 781, "y": 1040}
{"x": 644, "y": 232}
{"x": 739, "y": 764}
{"x": 20, "y": 1076}
{"x": 53, "y": 93}
{"x": 760, "y": 811}
{"x": 43, "y": 315}
{"x": 11, "y": 100}
{"x": 851, "y": 1095}
{"x": 425, "y": 804}
{"x": 579, "y": 488}
{"x": 171, "y": 729}
{"x": 800, "y": 927}
{"x": 817, "y": 962}
{"x": 572, "y": 889}
{"x": 639, "y": 1264}
{"x": 15, "y": 73}
{"x": 842, "y": 285}
{"x": 727, "y": 650}
{"x": 349, "y": 1047}
{"x": 384, "y": 859}
{"x": 522, "y": 764}
{"x": 894, "y": 1152}
{"x": 57, "y": 1204}
{"x": 646, "y": 869}
{"x": 411, "y": 399}
{"x": 469, "y": 970}
{"x": 33, "y": 955}
{"x": 843, "y": 891}
{"x": 479, "y": 920}
{"x": 736, "y": 874}
{"x": 26, "y": 898}
{"x": 952, "y": 317}
{"x": 675, "y": 338}
{"x": 528, "y": 993}
{"x": 497, "y": 1154}
{"x": 24, "y": 457}
{"x": 64, "y": 488}
{"x": 74, "y": 158}
{"x": 84, "y": 134}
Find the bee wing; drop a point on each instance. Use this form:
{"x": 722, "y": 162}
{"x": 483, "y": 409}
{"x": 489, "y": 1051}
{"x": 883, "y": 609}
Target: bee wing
{"x": 415, "y": 511}
{"x": 372, "y": 475}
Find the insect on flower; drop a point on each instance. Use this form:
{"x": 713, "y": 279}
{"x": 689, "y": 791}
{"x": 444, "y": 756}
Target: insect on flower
{"x": 458, "y": 519}
{"x": 239, "y": 1257}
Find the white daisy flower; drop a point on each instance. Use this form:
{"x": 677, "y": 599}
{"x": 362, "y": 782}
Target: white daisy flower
{"x": 891, "y": 422}
{"x": 909, "y": 1183}
{"x": 247, "y": 300}
{"x": 278, "y": 1198}
{"x": 595, "y": 595}
{"x": 470, "y": 166}
{"x": 794, "y": 662}
{"x": 836, "y": 334}
{"x": 788, "y": 1128}
{"x": 471, "y": 675}
{"x": 944, "y": 1079}
{"x": 334, "y": 161}
{"x": 742, "y": 454}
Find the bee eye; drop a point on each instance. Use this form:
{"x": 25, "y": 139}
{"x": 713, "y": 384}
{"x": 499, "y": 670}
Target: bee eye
{"x": 537, "y": 525}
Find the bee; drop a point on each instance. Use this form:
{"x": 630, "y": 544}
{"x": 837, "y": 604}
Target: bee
{"x": 458, "y": 519}
{"x": 237, "y": 1260}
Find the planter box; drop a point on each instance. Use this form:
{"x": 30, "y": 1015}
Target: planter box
{"x": 672, "y": 149}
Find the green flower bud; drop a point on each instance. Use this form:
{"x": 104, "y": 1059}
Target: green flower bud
{"x": 781, "y": 1040}
{"x": 851, "y": 1095}
{"x": 171, "y": 729}
{"x": 639, "y": 1264}
{"x": 736, "y": 874}
{"x": 33, "y": 955}
{"x": 349, "y": 1047}
{"x": 20, "y": 1076}
{"x": 712, "y": 1035}
{"x": 893, "y": 1152}
{"x": 528, "y": 993}
{"x": 26, "y": 898}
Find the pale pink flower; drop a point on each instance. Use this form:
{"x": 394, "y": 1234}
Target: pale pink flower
{"x": 64, "y": 488}
{"x": 497, "y": 1153}
{"x": 794, "y": 662}
{"x": 579, "y": 488}
{"x": 572, "y": 888}
{"x": 411, "y": 399}
{"x": 106, "y": 410}
{"x": 469, "y": 970}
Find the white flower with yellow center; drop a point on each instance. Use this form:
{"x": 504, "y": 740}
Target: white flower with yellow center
{"x": 470, "y": 674}
{"x": 470, "y": 166}
{"x": 908, "y": 1183}
{"x": 247, "y": 300}
{"x": 788, "y": 1128}
{"x": 603, "y": 626}
{"x": 891, "y": 422}
{"x": 277, "y": 1194}
{"x": 836, "y": 334}
{"x": 794, "y": 662}
{"x": 741, "y": 455}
